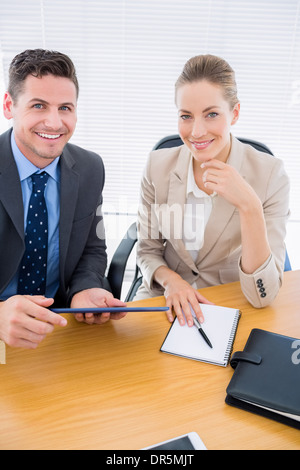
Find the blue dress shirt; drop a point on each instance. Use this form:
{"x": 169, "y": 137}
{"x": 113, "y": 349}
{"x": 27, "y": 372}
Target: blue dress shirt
{"x": 52, "y": 192}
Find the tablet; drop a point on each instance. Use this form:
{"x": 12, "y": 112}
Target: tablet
{"x": 109, "y": 309}
{"x": 190, "y": 441}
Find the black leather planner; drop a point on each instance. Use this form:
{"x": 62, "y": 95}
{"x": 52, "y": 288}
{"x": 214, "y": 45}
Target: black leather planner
{"x": 266, "y": 378}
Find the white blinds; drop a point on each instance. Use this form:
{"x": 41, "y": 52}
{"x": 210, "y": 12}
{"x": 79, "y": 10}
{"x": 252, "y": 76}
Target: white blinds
{"x": 128, "y": 54}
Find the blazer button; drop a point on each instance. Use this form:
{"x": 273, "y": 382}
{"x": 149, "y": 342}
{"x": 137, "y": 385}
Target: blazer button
{"x": 259, "y": 281}
{"x": 262, "y": 289}
{"x": 263, "y": 294}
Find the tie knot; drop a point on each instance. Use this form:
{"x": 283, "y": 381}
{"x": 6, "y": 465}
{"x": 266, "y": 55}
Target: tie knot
{"x": 39, "y": 181}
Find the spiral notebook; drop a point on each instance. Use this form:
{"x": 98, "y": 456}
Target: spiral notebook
{"x": 220, "y": 325}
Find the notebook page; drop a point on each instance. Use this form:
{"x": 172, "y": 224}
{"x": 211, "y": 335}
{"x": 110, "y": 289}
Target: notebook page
{"x": 283, "y": 413}
{"x": 218, "y": 325}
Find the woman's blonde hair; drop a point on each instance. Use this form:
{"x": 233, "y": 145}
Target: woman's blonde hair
{"x": 212, "y": 69}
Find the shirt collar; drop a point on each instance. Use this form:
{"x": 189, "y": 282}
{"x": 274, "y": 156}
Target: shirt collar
{"x": 191, "y": 187}
{"x": 26, "y": 168}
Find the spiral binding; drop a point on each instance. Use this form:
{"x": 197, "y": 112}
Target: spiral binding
{"x": 232, "y": 337}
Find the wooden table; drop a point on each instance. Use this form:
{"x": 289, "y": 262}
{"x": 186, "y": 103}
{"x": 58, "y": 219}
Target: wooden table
{"x": 109, "y": 387}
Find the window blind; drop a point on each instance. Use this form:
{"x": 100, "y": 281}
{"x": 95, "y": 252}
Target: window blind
{"x": 128, "y": 55}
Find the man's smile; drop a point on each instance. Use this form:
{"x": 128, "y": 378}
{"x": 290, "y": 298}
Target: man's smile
{"x": 48, "y": 136}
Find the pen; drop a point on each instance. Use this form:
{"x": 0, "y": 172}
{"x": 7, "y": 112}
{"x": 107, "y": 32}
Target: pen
{"x": 197, "y": 324}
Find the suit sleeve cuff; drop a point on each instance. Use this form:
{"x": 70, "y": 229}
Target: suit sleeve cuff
{"x": 261, "y": 287}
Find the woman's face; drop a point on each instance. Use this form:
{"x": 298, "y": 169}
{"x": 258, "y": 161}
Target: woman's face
{"x": 204, "y": 120}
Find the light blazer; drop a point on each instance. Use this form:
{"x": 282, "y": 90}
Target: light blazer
{"x": 164, "y": 187}
{"x": 82, "y": 255}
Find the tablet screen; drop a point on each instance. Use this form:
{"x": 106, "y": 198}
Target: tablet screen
{"x": 181, "y": 443}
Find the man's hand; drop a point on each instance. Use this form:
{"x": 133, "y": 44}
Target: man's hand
{"x": 93, "y": 298}
{"x": 25, "y": 320}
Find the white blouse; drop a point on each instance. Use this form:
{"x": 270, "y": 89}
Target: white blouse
{"x": 197, "y": 210}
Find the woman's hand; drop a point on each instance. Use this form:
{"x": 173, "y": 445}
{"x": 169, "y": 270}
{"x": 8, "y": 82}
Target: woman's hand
{"x": 228, "y": 183}
{"x": 180, "y": 296}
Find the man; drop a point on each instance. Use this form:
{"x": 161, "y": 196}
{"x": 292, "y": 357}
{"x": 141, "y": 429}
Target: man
{"x": 42, "y": 102}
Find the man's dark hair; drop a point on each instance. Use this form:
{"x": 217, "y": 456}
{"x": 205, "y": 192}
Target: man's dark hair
{"x": 39, "y": 62}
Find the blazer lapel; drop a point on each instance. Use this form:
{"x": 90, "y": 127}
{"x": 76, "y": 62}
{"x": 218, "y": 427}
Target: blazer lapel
{"x": 221, "y": 215}
{"x": 10, "y": 186}
{"x": 222, "y": 210}
{"x": 68, "y": 197}
{"x": 171, "y": 214}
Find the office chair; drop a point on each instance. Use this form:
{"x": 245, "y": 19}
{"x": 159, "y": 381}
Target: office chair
{"x": 118, "y": 263}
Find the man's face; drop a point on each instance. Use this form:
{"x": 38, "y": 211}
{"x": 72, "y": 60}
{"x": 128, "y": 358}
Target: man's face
{"x": 44, "y": 117}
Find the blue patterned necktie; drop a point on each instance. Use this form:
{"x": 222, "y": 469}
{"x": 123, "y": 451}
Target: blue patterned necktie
{"x": 33, "y": 270}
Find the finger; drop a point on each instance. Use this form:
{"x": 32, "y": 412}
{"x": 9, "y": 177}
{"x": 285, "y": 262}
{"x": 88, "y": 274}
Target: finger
{"x": 178, "y": 312}
{"x": 90, "y": 318}
{"x": 38, "y": 327}
{"x": 112, "y": 302}
{"x": 23, "y": 343}
{"x": 186, "y": 308}
{"x": 197, "y": 309}
{"x": 101, "y": 318}
{"x": 34, "y": 306}
{"x": 210, "y": 177}
{"x": 169, "y": 313}
{"x": 21, "y": 338}
{"x": 47, "y": 316}
{"x": 40, "y": 300}
{"x": 33, "y": 337}
{"x": 79, "y": 317}
{"x": 28, "y": 336}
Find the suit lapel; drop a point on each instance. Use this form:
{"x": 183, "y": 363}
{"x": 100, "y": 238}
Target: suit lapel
{"x": 171, "y": 214}
{"x": 68, "y": 197}
{"x": 10, "y": 186}
{"x": 222, "y": 211}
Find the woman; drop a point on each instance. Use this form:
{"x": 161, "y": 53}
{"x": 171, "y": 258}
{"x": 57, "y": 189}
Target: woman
{"x": 214, "y": 210}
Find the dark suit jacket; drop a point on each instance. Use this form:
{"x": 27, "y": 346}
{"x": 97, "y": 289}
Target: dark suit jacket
{"x": 82, "y": 249}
